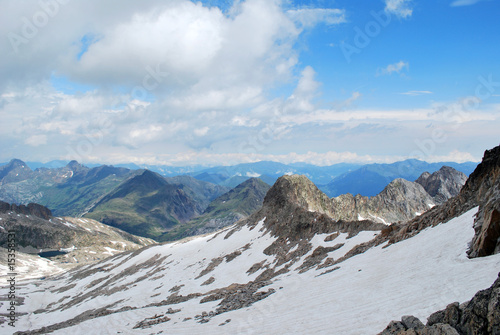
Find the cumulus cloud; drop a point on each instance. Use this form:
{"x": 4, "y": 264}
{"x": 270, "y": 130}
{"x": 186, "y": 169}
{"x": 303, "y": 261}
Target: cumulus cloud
{"x": 400, "y": 8}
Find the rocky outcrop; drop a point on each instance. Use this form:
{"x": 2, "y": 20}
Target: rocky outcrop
{"x": 481, "y": 315}
{"x": 31, "y": 209}
{"x": 443, "y": 184}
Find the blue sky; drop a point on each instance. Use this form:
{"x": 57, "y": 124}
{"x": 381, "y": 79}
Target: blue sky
{"x": 224, "y": 82}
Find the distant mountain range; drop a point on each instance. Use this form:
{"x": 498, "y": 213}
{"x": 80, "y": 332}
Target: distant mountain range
{"x": 369, "y": 180}
{"x": 334, "y": 180}
{"x": 145, "y": 203}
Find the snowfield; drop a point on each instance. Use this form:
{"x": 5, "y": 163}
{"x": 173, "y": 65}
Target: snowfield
{"x": 417, "y": 276}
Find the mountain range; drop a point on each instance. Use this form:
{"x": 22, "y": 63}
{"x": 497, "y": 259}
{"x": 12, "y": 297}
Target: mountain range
{"x": 293, "y": 267}
{"x": 371, "y": 179}
{"x": 145, "y": 203}
{"x": 334, "y": 180}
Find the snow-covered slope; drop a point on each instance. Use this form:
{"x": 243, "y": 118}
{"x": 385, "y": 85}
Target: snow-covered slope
{"x": 28, "y": 266}
{"x": 221, "y": 284}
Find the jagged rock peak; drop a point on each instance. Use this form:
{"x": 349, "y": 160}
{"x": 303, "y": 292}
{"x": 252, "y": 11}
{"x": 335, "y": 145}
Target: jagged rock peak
{"x": 15, "y": 164}
{"x": 15, "y": 170}
{"x": 442, "y": 184}
{"x": 300, "y": 191}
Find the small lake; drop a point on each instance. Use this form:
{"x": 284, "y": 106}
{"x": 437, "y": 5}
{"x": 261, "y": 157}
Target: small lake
{"x": 48, "y": 254}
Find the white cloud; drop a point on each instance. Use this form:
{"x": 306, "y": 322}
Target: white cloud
{"x": 394, "y": 68}
{"x": 309, "y": 17}
{"x": 400, "y": 8}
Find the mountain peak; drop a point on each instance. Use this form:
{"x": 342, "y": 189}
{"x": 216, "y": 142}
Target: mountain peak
{"x": 251, "y": 182}
{"x": 297, "y": 190}
{"x": 149, "y": 180}
{"x": 15, "y": 170}
{"x": 74, "y": 165}
{"x": 17, "y": 163}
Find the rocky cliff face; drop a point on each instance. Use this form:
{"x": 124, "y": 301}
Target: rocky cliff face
{"x": 442, "y": 184}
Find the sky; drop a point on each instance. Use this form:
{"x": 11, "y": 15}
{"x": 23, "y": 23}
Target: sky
{"x": 222, "y": 82}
